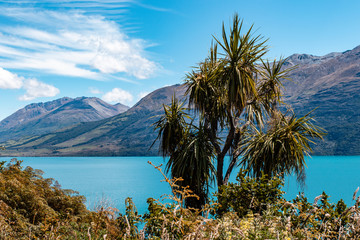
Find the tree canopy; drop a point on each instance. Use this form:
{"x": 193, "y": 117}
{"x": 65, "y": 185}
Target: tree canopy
{"x": 235, "y": 99}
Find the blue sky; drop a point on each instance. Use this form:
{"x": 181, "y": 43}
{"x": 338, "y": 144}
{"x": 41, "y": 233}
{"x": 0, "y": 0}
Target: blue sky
{"x": 121, "y": 50}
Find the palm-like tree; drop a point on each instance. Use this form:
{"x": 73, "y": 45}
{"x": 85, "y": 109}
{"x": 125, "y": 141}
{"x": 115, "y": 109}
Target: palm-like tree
{"x": 171, "y": 126}
{"x": 221, "y": 88}
{"x": 191, "y": 153}
{"x": 240, "y": 58}
{"x": 193, "y": 162}
{"x": 231, "y": 91}
{"x": 205, "y": 94}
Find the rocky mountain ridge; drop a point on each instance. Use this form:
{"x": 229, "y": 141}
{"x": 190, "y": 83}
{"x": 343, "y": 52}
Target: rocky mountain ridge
{"x": 128, "y": 133}
{"x": 329, "y": 84}
{"x": 42, "y": 118}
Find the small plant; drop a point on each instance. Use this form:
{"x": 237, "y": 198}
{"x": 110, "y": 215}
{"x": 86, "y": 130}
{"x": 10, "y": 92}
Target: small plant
{"x": 33, "y": 207}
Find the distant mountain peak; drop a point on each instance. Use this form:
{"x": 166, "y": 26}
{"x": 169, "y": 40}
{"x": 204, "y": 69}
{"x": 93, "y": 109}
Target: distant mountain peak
{"x": 309, "y": 59}
{"x": 329, "y": 84}
{"x": 297, "y": 59}
{"x": 43, "y": 117}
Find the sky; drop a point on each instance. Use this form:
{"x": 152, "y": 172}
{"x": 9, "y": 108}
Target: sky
{"x": 121, "y": 50}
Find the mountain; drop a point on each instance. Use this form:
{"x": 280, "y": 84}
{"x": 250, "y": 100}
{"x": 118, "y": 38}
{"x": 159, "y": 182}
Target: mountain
{"x": 31, "y": 112}
{"x": 42, "y": 118}
{"x": 128, "y": 133}
{"x": 329, "y": 84}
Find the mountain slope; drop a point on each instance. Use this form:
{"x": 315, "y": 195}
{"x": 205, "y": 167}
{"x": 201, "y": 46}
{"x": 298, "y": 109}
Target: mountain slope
{"x": 128, "y": 133}
{"x": 329, "y": 84}
{"x": 31, "y": 112}
{"x": 41, "y": 118}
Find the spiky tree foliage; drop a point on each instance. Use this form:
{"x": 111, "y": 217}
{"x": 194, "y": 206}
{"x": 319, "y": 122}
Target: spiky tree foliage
{"x": 231, "y": 90}
{"x": 281, "y": 149}
{"x": 234, "y": 88}
{"x": 171, "y": 126}
{"x": 193, "y": 162}
{"x": 190, "y": 151}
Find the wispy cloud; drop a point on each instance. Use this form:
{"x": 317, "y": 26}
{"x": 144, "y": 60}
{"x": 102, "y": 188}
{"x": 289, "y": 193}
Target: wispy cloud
{"x": 33, "y": 87}
{"x": 118, "y": 95}
{"x": 71, "y": 44}
{"x": 88, "y": 6}
{"x": 152, "y": 7}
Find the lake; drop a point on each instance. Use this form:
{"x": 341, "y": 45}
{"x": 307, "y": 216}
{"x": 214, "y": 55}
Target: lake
{"x": 114, "y": 178}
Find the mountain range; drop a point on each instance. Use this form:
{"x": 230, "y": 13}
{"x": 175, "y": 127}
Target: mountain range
{"x": 327, "y": 85}
{"x": 42, "y": 118}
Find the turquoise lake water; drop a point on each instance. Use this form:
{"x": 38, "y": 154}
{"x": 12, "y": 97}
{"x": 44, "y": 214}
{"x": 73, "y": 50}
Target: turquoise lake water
{"x": 115, "y": 178}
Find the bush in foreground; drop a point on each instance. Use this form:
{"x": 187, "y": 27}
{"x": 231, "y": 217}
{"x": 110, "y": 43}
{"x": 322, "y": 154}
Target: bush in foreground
{"x": 33, "y": 207}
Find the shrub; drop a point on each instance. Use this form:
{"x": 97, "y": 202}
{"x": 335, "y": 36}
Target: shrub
{"x": 249, "y": 194}
{"x": 33, "y": 207}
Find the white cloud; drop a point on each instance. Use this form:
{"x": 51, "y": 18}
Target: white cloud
{"x": 117, "y": 95}
{"x": 71, "y": 44}
{"x": 35, "y": 89}
{"x": 10, "y": 80}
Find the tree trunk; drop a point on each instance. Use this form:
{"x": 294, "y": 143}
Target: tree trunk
{"x": 219, "y": 170}
{"x": 222, "y": 154}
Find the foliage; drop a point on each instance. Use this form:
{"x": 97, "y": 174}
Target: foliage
{"x": 234, "y": 92}
{"x": 190, "y": 150}
{"x": 33, "y": 207}
{"x": 193, "y": 162}
{"x": 234, "y": 88}
{"x": 34, "y": 216}
{"x": 168, "y": 218}
{"x": 252, "y": 209}
{"x": 322, "y": 221}
{"x": 171, "y": 126}
{"x": 249, "y": 195}
{"x": 281, "y": 149}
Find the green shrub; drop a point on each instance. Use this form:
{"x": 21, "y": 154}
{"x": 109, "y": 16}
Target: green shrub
{"x": 249, "y": 194}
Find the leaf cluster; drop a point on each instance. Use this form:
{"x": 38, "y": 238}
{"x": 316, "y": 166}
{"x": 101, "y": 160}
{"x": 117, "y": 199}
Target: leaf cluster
{"x": 249, "y": 195}
{"x": 281, "y": 149}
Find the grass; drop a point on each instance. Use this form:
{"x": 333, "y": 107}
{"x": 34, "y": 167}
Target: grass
{"x": 33, "y": 207}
